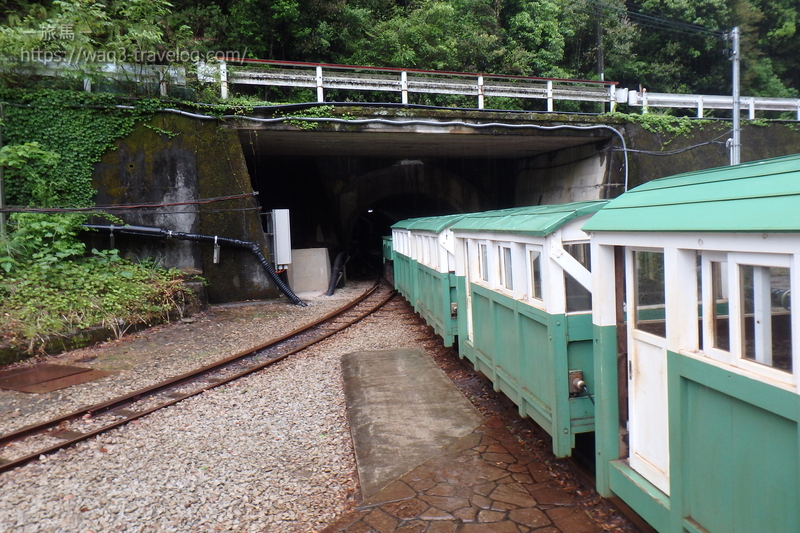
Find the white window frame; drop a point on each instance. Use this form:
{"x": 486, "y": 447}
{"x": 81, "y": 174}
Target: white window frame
{"x": 531, "y": 299}
{"x": 735, "y": 357}
{"x": 503, "y": 268}
{"x": 582, "y": 275}
{"x": 484, "y": 260}
{"x": 632, "y": 274}
{"x": 433, "y": 245}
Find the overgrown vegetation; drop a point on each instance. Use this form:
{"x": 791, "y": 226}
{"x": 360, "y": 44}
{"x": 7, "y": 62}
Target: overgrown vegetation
{"x": 50, "y": 286}
{"x": 49, "y": 283}
{"x": 663, "y": 45}
{"x": 662, "y": 123}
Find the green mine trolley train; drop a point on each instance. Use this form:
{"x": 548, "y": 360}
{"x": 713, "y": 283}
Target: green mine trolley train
{"x": 424, "y": 266}
{"x": 661, "y": 321}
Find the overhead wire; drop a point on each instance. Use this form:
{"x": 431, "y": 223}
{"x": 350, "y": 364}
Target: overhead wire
{"x": 657, "y": 22}
{"x": 123, "y": 207}
{"x": 677, "y": 150}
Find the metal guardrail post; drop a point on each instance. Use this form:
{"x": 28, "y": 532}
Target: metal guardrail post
{"x": 751, "y": 105}
{"x": 404, "y": 87}
{"x": 480, "y": 93}
{"x": 699, "y": 107}
{"x": 162, "y": 82}
{"x": 87, "y": 85}
{"x": 223, "y": 79}
{"x": 549, "y": 96}
{"x": 612, "y": 99}
{"x": 737, "y": 128}
{"x": 320, "y": 88}
{"x": 644, "y": 101}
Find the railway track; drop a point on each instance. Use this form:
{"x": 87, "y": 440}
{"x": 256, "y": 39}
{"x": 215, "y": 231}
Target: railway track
{"x": 64, "y": 431}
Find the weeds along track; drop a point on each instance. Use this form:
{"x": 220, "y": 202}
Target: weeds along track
{"x": 28, "y": 443}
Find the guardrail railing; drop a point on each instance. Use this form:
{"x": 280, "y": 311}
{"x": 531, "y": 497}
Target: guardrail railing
{"x": 323, "y": 77}
{"x": 646, "y": 99}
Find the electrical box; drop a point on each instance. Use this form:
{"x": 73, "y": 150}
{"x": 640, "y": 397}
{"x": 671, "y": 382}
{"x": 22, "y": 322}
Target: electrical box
{"x": 279, "y": 238}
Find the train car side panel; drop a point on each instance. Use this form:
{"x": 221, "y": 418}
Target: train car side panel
{"x": 735, "y": 433}
{"x": 434, "y": 294}
{"x": 714, "y": 278}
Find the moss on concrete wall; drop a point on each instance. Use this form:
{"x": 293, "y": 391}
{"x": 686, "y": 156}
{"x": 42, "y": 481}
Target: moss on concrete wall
{"x": 175, "y": 159}
{"x": 758, "y": 142}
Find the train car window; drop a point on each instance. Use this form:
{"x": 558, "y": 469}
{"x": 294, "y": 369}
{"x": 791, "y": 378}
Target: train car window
{"x": 428, "y": 255}
{"x": 536, "y": 274}
{"x": 483, "y": 261}
{"x": 578, "y": 297}
{"x": 467, "y": 273}
{"x": 650, "y": 294}
{"x": 719, "y": 312}
{"x": 766, "y": 317}
{"x": 506, "y": 279}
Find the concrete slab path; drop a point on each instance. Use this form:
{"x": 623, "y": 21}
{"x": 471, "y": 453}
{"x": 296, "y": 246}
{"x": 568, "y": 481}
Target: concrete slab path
{"x": 403, "y": 410}
{"x": 479, "y": 482}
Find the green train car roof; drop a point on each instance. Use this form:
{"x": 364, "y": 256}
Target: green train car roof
{"x": 539, "y": 220}
{"x": 434, "y": 224}
{"x": 762, "y": 196}
{"x": 404, "y": 224}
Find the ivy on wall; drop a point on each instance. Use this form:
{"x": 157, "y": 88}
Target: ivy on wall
{"x": 74, "y": 127}
{"x": 49, "y": 284}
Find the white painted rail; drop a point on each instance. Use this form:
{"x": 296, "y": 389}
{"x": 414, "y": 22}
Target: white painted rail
{"x": 162, "y": 75}
{"x": 322, "y": 77}
{"x": 646, "y": 99}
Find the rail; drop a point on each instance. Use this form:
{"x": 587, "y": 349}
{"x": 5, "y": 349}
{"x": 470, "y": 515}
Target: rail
{"x": 324, "y": 77}
{"x": 71, "y": 428}
{"x": 646, "y": 99}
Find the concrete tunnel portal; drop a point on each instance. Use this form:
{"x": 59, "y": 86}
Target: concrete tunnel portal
{"x": 344, "y": 189}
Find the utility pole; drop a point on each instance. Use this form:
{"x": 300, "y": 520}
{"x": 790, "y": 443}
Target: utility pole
{"x": 736, "y": 142}
{"x": 598, "y": 13}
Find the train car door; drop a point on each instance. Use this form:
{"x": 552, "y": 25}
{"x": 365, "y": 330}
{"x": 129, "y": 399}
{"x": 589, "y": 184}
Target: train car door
{"x": 647, "y": 370}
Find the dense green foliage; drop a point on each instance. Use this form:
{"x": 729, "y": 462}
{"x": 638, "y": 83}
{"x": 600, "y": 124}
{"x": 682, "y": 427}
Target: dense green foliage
{"x": 49, "y": 286}
{"x": 74, "y": 128}
{"x": 641, "y": 42}
{"x": 664, "y": 45}
{"x": 48, "y": 283}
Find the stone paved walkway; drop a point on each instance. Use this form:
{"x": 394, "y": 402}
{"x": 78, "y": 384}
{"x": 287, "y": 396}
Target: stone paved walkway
{"x": 484, "y": 483}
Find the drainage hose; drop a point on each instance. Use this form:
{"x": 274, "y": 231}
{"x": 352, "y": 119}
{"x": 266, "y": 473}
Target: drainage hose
{"x": 148, "y": 231}
{"x": 336, "y": 273}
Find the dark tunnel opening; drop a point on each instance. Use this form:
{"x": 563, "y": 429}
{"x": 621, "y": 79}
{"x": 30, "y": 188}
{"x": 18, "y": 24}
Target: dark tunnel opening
{"x": 344, "y": 190}
{"x": 312, "y": 188}
{"x": 376, "y": 221}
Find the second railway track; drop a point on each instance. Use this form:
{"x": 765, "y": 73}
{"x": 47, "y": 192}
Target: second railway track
{"x": 28, "y": 443}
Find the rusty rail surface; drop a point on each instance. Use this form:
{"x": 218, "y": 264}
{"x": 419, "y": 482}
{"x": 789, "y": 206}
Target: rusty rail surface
{"x": 281, "y": 348}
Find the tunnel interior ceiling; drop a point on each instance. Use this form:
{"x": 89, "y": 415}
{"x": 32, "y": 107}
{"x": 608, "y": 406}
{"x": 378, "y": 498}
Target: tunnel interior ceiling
{"x": 408, "y": 145}
{"x": 344, "y": 189}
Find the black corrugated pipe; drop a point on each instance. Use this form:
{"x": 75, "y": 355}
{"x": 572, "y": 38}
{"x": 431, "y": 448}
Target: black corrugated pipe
{"x": 336, "y": 273}
{"x": 148, "y": 231}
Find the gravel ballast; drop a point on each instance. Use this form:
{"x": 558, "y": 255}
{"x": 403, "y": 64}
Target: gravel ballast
{"x": 151, "y": 356}
{"x": 270, "y": 452}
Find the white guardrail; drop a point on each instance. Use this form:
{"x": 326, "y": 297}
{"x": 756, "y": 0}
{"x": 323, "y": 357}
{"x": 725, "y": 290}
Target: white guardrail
{"x": 404, "y": 81}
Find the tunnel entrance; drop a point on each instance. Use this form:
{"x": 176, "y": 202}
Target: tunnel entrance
{"x": 375, "y": 222}
{"x": 344, "y": 189}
